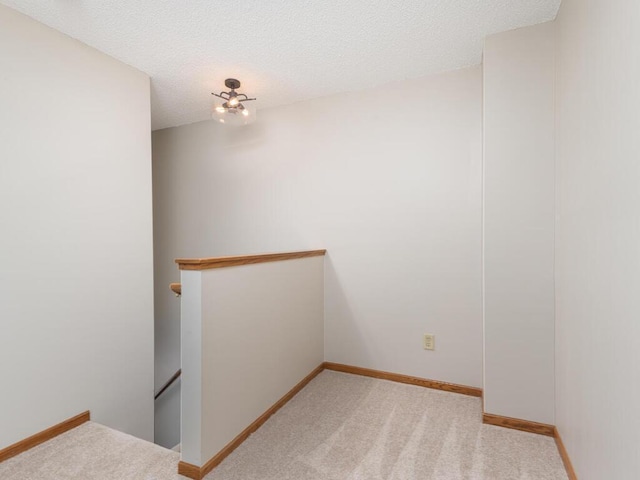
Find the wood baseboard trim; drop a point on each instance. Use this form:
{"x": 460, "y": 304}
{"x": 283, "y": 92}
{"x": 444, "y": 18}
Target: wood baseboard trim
{"x": 189, "y": 470}
{"x": 197, "y": 473}
{"x": 41, "y": 437}
{"x": 568, "y": 466}
{"x": 534, "y": 427}
{"x": 396, "y": 377}
{"x": 518, "y": 424}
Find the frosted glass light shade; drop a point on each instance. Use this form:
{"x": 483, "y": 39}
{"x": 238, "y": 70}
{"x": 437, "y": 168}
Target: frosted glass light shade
{"x": 234, "y": 117}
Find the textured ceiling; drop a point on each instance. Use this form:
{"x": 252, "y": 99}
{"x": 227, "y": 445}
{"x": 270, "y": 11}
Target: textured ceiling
{"x": 283, "y": 51}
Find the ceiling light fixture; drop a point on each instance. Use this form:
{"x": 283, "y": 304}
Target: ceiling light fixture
{"x": 232, "y": 111}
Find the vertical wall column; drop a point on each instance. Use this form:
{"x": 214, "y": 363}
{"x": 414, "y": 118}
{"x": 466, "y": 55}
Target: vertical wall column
{"x": 191, "y": 364}
{"x": 519, "y": 204}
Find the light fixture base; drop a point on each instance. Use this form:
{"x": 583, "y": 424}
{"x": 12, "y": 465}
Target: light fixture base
{"x": 232, "y": 83}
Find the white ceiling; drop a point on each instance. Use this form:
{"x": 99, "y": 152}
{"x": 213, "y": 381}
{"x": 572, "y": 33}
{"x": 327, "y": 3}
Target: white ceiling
{"x": 283, "y": 51}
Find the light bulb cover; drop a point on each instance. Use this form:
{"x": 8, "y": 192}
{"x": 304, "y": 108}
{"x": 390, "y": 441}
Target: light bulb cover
{"x": 233, "y": 116}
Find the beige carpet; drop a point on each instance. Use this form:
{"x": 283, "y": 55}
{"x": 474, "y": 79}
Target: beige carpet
{"x": 340, "y": 427}
{"x": 346, "y": 427}
{"x": 93, "y": 452}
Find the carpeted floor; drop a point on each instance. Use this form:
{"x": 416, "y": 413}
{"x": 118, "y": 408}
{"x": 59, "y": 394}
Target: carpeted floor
{"x": 340, "y": 427}
{"x": 347, "y": 427}
{"x": 93, "y": 452}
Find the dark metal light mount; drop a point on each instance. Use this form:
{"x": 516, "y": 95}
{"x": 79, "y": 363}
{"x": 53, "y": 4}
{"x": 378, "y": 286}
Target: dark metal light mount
{"x": 232, "y": 83}
{"x": 233, "y": 99}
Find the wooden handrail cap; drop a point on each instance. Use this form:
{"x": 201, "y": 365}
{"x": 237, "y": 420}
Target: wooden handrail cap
{"x": 223, "y": 262}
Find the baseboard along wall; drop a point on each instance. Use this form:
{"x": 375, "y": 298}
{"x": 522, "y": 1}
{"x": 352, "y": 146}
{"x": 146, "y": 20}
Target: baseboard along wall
{"x": 518, "y": 424}
{"x": 571, "y": 473}
{"x": 41, "y": 437}
{"x": 397, "y": 377}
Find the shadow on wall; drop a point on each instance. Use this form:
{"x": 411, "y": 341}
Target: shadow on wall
{"x": 340, "y": 321}
{"x": 167, "y": 417}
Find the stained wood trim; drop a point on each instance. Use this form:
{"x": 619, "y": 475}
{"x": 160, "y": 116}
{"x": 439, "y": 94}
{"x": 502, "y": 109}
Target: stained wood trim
{"x": 43, "y": 436}
{"x": 189, "y": 470}
{"x": 197, "y": 473}
{"x": 223, "y": 262}
{"x": 176, "y": 288}
{"x": 518, "y": 424}
{"x": 564, "y": 455}
{"x": 396, "y": 377}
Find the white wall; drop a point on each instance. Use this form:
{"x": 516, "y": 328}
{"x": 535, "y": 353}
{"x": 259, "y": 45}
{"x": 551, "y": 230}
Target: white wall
{"x": 519, "y": 223}
{"x": 263, "y": 331}
{"x": 76, "y": 244}
{"x": 598, "y": 237}
{"x": 249, "y": 334}
{"x": 388, "y": 180}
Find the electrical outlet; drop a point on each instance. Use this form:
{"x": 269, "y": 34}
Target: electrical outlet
{"x": 429, "y": 341}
